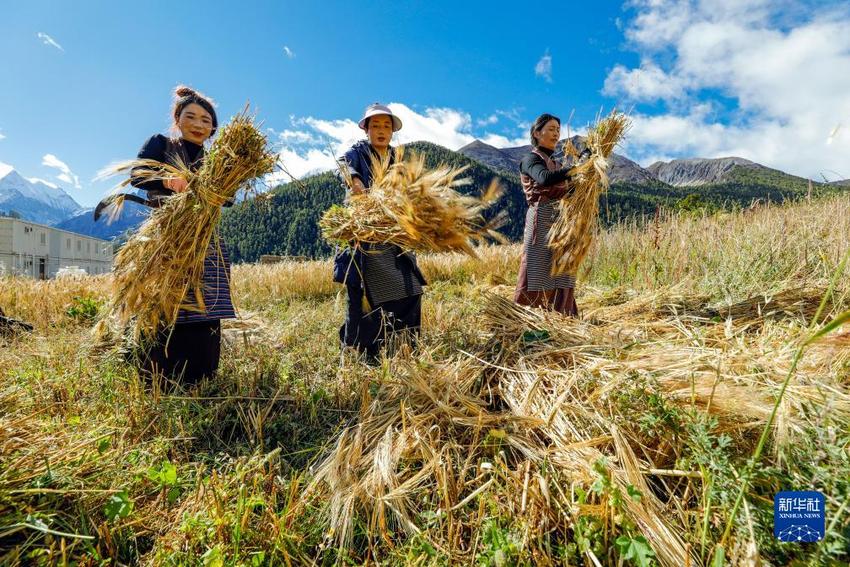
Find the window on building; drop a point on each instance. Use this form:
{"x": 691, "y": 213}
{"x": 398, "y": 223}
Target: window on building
{"x": 43, "y": 238}
{"x": 88, "y": 247}
{"x": 79, "y": 245}
{"x": 68, "y": 243}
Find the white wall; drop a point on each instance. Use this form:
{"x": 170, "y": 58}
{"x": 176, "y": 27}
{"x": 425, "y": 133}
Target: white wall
{"x": 23, "y": 245}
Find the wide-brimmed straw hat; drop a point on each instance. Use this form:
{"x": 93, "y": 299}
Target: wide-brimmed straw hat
{"x": 376, "y": 109}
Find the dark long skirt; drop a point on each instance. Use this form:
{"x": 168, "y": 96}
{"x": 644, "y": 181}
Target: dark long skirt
{"x": 371, "y": 331}
{"x": 192, "y": 353}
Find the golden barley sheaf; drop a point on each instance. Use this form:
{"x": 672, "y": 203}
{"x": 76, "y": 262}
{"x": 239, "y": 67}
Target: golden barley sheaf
{"x": 415, "y": 208}
{"x": 572, "y": 232}
{"x": 159, "y": 270}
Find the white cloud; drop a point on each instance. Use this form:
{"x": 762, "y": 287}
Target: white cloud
{"x": 515, "y": 116}
{"x": 339, "y": 133}
{"x": 309, "y": 144}
{"x": 646, "y": 83}
{"x": 65, "y": 174}
{"x": 784, "y": 66}
{"x": 298, "y": 165}
{"x": 543, "y": 68}
{"x": 297, "y": 137}
{"x": 2, "y": 137}
{"x": 288, "y": 52}
{"x": 5, "y": 169}
{"x": 47, "y": 40}
{"x": 488, "y": 121}
{"x": 445, "y": 126}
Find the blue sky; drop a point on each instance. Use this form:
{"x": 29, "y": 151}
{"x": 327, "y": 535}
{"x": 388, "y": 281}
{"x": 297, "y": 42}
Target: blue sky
{"x": 84, "y": 84}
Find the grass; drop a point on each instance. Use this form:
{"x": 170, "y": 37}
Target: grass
{"x": 517, "y": 437}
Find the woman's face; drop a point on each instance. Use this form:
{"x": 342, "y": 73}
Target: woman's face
{"x": 549, "y": 135}
{"x": 195, "y": 123}
{"x": 380, "y": 131}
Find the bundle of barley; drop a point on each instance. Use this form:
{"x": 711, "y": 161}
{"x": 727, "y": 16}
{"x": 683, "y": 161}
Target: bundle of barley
{"x": 158, "y": 271}
{"x": 419, "y": 439}
{"x": 572, "y": 233}
{"x": 438, "y": 436}
{"x": 415, "y": 208}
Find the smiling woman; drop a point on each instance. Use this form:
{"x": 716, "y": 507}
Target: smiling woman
{"x": 194, "y": 115}
{"x": 191, "y": 349}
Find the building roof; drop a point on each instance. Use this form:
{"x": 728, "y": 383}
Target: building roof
{"x": 75, "y": 234}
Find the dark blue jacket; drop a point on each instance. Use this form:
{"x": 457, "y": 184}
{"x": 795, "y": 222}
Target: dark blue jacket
{"x": 359, "y": 161}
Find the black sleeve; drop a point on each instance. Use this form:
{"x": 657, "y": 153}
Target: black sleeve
{"x": 153, "y": 149}
{"x": 534, "y": 166}
{"x": 352, "y": 160}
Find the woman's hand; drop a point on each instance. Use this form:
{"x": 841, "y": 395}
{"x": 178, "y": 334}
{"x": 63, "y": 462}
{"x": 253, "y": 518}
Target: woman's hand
{"x": 583, "y": 157}
{"x": 357, "y": 187}
{"x": 176, "y": 184}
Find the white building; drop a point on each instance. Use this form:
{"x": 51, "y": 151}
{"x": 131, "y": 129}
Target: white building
{"x": 36, "y": 250}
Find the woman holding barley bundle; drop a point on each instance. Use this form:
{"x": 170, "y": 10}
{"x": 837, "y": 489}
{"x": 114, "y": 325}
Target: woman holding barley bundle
{"x": 383, "y": 282}
{"x": 191, "y": 348}
{"x": 544, "y": 182}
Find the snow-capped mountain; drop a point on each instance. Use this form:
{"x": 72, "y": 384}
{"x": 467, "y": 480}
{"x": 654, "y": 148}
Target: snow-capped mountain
{"x": 82, "y": 222}
{"x": 34, "y": 199}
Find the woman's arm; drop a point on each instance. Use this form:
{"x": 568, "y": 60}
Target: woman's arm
{"x": 534, "y": 166}
{"x": 357, "y": 187}
{"x": 551, "y": 184}
{"x": 154, "y": 149}
{"x": 351, "y": 161}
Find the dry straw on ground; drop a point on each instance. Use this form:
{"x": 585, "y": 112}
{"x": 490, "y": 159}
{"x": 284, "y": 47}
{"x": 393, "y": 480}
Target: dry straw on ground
{"x": 159, "y": 270}
{"x": 415, "y": 208}
{"x": 572, "y": 233}
{"x": 546, "y": 399}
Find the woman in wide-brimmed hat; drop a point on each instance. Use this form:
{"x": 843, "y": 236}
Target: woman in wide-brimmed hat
{"x": 544, "y": 182}
{"x": 383, "y": 282}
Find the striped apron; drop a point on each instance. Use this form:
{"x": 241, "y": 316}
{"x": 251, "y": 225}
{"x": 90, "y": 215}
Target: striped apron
{"x": 384, "y": 280}
{"x": 216, "y": 284}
